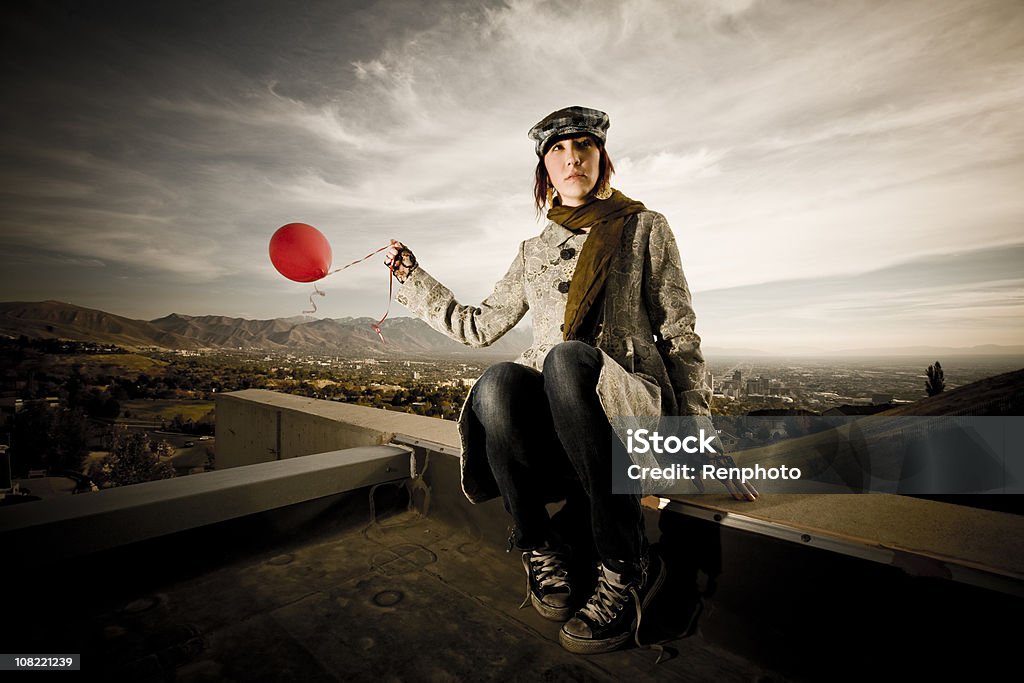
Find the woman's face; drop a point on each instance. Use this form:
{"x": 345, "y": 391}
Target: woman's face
{"x": 573, "y": 165}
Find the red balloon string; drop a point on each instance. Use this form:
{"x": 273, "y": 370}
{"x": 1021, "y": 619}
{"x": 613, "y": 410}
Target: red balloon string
{"x": 359, "y": 260}
{"x": 316, "y": 291}
{"x": 391, "y": 290}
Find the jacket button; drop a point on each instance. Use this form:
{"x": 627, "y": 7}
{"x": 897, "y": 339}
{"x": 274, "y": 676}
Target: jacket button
{"x": 563, "y": 287}
{"x": 561, "y": 328}
{"x": 568, "y": 253}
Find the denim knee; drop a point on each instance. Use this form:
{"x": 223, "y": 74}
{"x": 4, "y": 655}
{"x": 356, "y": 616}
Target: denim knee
{"x": 498, "y": 388}
{"x": 572, "y": 364}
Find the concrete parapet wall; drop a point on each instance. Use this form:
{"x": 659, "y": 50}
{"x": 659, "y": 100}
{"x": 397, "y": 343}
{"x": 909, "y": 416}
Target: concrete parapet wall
{"x": 256, "y": 425}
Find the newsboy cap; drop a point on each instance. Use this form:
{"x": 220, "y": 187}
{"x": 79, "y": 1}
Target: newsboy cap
{"x": 569, "y": 121}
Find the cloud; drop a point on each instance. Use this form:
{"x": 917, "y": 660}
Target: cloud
{"x": 784, "y": 141}
{"x": 957, "y": 299}
{"x": 664, "y": 169}
{"x": 269, "y": 114}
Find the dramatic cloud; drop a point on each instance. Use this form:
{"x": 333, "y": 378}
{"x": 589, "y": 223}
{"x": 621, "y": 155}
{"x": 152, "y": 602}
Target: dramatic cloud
{"x": 150, "y": 151}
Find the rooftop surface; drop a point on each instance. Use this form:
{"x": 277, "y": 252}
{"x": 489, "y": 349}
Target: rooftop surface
{"x": 317, "y": 568}
{"x": 405, "y": 598}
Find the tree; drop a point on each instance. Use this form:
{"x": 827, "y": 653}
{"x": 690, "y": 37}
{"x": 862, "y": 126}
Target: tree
{"x": 71, "y": 441}
{"x": 936, "y": 380}
{"x": 100, "y": 404}
{"x": 47, "y": 438}
{"x": 134, "y": 459}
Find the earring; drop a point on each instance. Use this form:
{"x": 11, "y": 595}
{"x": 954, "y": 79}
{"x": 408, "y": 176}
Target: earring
{"x": 551, "y": 196}
{"x": 605, "y": 192}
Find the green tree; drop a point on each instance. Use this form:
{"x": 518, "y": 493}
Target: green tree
{"x": 133, "y": 459}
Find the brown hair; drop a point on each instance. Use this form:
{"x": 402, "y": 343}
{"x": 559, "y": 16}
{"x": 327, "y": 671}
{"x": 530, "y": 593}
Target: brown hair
{"x": 542, "y": 184}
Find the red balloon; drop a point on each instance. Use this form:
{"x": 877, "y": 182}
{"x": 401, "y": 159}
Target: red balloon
{"x": 300, "y": 252}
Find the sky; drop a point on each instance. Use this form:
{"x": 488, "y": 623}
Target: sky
{"x": 838, "y": 174}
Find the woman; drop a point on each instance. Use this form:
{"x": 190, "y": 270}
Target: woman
{"x": 602, "y": 279}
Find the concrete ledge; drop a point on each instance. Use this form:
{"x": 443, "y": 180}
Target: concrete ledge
{"x": 257, "y": 425}
{"x": 45, "y": 531}
{"x": 921, "y": 537}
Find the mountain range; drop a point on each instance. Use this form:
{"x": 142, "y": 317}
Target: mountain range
{"x": 347, "y": 337}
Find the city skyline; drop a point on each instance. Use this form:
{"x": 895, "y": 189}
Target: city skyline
{"x": 837, "y": 175}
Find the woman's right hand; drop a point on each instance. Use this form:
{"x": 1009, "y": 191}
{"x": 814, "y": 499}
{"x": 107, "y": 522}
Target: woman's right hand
{"x": 739, "y": 489}
{"x": 399, "y": 260}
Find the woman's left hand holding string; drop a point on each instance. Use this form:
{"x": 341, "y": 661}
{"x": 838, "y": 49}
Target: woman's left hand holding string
{"x": 400, "y": 260}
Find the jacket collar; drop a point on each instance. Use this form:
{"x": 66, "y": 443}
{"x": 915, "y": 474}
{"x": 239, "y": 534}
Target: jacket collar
{"x": 555, "y": 235}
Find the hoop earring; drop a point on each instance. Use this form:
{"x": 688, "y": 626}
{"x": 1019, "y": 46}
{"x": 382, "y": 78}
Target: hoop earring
{"x": 605, "y": 192}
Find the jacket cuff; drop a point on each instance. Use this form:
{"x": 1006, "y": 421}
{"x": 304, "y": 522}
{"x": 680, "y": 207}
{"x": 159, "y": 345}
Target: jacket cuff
{"x": 415, "y": 292}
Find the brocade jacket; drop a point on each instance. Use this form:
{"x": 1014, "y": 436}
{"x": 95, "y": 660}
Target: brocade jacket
{"x": 652, "y": 360}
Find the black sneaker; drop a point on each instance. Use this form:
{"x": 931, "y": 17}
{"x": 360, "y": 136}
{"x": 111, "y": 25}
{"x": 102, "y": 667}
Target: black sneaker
{"x": 613, "y": 613}
{"x": 547, "y": 582}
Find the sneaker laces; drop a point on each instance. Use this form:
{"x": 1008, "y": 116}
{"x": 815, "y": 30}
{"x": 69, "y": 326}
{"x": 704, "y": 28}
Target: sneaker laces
{"x": 608, "y": 600}
{"x": 610, "y": 596}
{"x": 548, "y": 568}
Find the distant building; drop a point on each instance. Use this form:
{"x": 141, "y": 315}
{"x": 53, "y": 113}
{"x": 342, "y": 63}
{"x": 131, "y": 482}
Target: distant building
{"x": 729, "y": 440}
{"x": 731, "y": 388}
{"x": 760, "y": 386}
{"x": 14, "y": 405}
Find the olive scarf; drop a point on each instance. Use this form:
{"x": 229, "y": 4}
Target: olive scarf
{"x": 606, "y": 219}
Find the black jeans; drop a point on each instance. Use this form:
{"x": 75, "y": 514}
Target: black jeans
{"x": 548, "y": 439}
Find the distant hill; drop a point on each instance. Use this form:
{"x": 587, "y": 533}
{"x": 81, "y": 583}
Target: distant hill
{"x": 347, "y": 337}
{"x": 999, "y": 395}
{"x": 58, "y": 320}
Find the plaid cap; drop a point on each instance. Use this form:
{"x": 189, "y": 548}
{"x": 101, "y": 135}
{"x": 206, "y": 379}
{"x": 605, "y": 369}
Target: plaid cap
{"x": 569, "y": 121}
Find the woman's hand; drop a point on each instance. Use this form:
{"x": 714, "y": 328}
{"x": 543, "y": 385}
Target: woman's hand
{"x": 399, "y": 260}
{"x": 740, "y": 490}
